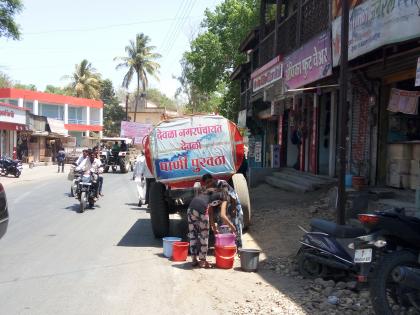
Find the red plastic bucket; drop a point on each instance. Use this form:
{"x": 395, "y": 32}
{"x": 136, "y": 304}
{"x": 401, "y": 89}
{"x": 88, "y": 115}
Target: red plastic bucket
{"x": 225, "y": 256}
{"x": 180, "y": 251}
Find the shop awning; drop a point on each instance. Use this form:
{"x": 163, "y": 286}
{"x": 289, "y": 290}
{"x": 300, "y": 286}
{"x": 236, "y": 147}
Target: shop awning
{"x": 13, "y": 126}
{"x": 57, "y": 127}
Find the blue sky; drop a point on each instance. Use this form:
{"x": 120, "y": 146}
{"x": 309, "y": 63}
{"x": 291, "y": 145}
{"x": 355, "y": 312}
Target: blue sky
{"x": 57, "y": 34}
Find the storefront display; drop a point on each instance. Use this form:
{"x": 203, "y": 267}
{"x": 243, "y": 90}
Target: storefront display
{"x": 12, "y": 121}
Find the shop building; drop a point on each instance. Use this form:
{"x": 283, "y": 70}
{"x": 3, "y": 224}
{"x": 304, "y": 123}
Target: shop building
{"x": 294, "y": 112}
{"x": 13, "y": 121}
{"x": 80, "y": 117}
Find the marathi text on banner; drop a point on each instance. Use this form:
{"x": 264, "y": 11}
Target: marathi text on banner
{"x": 309, "y": 63}
{"x": 375, "y": 23}
{"x": 191, "y": 147}
{"x": 134, "y": 130}
{"x": 404, "y": 101}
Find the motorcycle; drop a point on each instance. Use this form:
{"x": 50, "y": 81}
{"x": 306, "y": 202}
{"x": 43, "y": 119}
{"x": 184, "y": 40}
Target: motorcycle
{"x": 325, "y": 249}
{"x": 87, "y": 191}
{"x": 9, "y": 166}
{"x": 74, "y": 183}
{"x": 389, "y": 260}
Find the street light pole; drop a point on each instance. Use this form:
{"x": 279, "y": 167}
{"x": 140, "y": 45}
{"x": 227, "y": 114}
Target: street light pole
{"x": 341, "y": 205}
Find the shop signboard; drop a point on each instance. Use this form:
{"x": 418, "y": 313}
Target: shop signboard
{"x": 190, "y": 148}
{"x": 309, "y": 63}
{"x": 267, "y": 74}
{"x": 418, "y": 73}
{"x": 69, "y": 142}
{"x": 258, "y": 152}
{"x": 12, "y": 114}
{"x": 374, "y": 23}
{"x": 242, "y": 118}
{"x": 135, "y": 130}
{"x": 404, "y": 101}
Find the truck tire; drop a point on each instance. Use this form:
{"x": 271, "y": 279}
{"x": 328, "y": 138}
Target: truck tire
{"x": 159, "y": 212}
{"x": 241, "y": 187}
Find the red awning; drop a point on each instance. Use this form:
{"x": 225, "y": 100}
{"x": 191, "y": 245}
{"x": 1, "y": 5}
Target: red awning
{"x": 12, "y": 126}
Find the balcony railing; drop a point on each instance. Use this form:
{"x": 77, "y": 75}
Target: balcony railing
{"x": 298, "y": 28}
{"x": 267, "y": 48}
{"x": 95, "y": 122}
{"x": 287, "y": 35}
{"x": 76, "y": 121}
{"x": 315, "y": 18}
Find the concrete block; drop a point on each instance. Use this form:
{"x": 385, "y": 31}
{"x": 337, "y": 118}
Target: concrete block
{"x": 307, "y": 183}
{"x": 399, "y": 151}
{"x": 393, "y": 180}
{"x": 415, "y": 167}
{"x": 414, "y": 181}
{"x": 415, "y": 151}
{"x": 399, "y": 167}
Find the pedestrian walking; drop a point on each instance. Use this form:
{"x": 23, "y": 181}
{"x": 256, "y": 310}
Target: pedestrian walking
{"x": 61, "y": 157}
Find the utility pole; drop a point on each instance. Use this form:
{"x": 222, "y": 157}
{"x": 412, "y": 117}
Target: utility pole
{"x": 341, "y": 206}
{"x": 126, "y": 106}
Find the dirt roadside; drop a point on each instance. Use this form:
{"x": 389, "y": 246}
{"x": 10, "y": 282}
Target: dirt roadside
{"x": 278, "y": 288}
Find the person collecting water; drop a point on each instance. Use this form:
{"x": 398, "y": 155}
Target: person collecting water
{"x": 200, "y": 219}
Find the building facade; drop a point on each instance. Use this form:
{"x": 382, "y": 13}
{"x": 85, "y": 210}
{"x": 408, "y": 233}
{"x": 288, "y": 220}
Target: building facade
{"x": 13, "y": 121}
{"x": 289, "y": 89}
{"x": 78, "y": 117}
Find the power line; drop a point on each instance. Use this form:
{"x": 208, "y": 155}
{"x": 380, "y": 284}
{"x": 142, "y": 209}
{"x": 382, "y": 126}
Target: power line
{"x": 102, "y": 27}
{"x": 172, "y": 42}
{"x": 173, "y": 25}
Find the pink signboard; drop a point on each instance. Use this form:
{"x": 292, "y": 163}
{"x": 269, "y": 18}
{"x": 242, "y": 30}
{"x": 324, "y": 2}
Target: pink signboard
{"x": 309, "y": 63}
{"x": 136, "y": 131}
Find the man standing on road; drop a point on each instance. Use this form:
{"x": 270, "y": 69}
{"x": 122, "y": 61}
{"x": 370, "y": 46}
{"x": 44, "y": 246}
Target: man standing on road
{"x": 61, "y": 157}
{"x": 143, "y": 177}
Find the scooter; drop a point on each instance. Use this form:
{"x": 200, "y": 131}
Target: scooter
{"x": 326, "y": 248}
{"x": 389, "y": 259}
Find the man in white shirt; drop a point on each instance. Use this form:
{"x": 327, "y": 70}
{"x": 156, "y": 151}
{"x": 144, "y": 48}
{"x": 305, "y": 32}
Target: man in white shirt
{"x": 143, "y": 178}
{"x": 82, "y": 157}
{"x": 91, "y": 165}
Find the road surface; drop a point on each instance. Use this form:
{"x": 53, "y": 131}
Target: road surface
{"x": 54, "y": 260}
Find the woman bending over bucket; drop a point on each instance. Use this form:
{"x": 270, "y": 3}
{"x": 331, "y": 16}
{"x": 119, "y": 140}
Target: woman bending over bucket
{"x": 200, "y": 214}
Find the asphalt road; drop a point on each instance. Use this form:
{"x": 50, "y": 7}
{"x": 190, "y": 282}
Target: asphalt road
{"x": 54, "y": 260}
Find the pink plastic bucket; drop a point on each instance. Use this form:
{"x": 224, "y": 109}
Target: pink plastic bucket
{"x": 225, "y": 240}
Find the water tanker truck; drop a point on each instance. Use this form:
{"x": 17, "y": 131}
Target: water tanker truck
{"x": 180, "y": 151}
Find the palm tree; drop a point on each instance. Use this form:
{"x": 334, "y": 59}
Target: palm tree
{"x": 140, "y": 59}
{"x": 86, "y": 82}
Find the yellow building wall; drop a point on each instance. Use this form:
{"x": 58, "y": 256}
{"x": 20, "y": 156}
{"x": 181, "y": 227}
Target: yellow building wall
{"x": 146, "y": 118}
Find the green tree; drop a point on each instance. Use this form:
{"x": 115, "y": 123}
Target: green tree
{"x": 160, "y": 99}
{"x": 30, "y": 87}
{"x": 214, "y": 53}
{"x": 8, "y": 26}
{"x": 5, "y": 81}
{"x": 57, "y": 90}
{"x": 85, "y": 81}
{"x": 113, "y": 112}
{"x": 140, "y": 60}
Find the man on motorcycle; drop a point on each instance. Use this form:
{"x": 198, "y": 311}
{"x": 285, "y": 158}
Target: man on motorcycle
{"x": 92, "y": 165}
{"x": 82, "y": 157}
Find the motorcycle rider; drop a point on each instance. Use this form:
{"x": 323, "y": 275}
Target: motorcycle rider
{"x": 123, "y": 146}
{"x": 92, "y": 165}
{"x": 82, "y": 157}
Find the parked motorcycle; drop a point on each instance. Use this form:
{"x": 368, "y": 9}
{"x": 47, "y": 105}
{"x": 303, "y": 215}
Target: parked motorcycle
{"x": 86, "y": 191}
{"x": 389, "y": 259}
{"x": 9, "y": 166}
{"x": 325, "y": 249}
